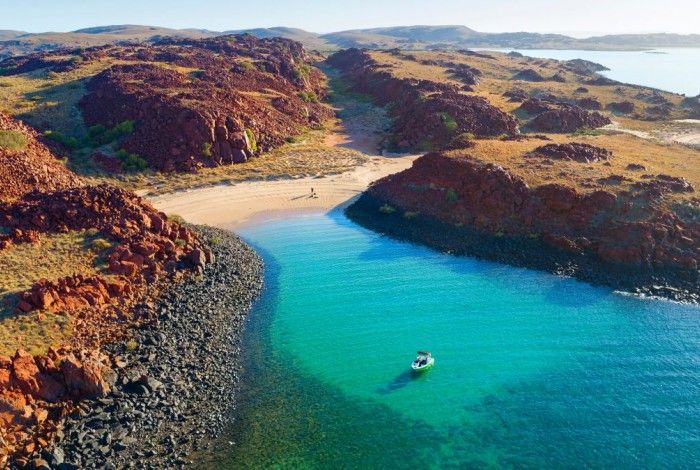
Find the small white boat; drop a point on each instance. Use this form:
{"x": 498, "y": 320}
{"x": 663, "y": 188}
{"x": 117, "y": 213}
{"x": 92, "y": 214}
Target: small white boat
{"x": 423, "y": 361}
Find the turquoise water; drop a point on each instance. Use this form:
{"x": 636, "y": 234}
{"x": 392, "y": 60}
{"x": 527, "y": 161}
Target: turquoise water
{"x": 676, "y": 70}
{"x": 532, "y": 370}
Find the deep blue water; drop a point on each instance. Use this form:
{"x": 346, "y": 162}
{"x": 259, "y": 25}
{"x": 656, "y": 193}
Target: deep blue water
{"x": 532, "y": 370}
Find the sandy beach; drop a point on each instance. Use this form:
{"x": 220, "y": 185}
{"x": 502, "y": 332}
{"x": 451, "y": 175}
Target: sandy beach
{"x": 230, "y": 206}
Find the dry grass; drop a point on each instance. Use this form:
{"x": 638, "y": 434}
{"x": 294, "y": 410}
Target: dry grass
{"x": 306, "y": 156}
{"x": 654, "y": 151}
{"x": 657, "y": 157}
{"x": 23, "y": 265}
{"x": 497, "y": 76}
{"x": 48, "y": 100}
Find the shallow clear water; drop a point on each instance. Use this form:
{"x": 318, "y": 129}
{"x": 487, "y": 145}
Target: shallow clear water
{"x": 531, "y": 370}
{"x": 676, "y": 70}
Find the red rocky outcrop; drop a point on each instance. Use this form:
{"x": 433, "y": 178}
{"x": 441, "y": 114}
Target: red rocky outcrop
{"x": 491, "y": 199}
{"x": 149, "y": 245}
{"x": 622, "y": 107}
{"x": 31, "y": 167}
{"x": 582, "y": 153}
{"x": 244, "y": 96}
{"x": 567, "y": 119}
{"x": 420, "y": 119}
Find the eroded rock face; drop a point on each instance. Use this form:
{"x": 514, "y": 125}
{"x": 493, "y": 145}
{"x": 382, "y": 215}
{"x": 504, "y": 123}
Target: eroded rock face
{"x": 423, "y": 120}
{"x": 660, "y": 184}
{"x": 490, "y": 199}
{"x": 147, "y": 240}
{"x": 590, "y": 103}
{"x": 567, "y": 119}
{"x": 32, "y": 166}
{"x": 529, "y": 75}
{"x": 243, "y": 96}
{"x": 622, "y": 107}
{"x": 582, "y": 153}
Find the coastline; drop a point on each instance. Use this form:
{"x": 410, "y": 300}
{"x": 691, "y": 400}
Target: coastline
{"x": 522, "y": 252}
{"x": 172, "y": 396}
{"x": 232, "y": 206}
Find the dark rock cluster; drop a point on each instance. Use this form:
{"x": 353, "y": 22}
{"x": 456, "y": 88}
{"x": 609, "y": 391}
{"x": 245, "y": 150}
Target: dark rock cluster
{"x": 241, "y": 96}
{"x": 30, "y": 166}
{"x": 612, "y": 228}
{"x": 177, "y": 376}
{"x": 582, "y": 153}
{"x": 422, "y": 121}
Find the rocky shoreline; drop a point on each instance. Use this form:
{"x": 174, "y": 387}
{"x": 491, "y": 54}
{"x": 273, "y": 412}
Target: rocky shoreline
{"x": 522, "y": 252}
{"x": 176, "y": 385}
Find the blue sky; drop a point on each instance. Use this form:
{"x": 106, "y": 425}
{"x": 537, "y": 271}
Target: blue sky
{"x": 579, "y": 17}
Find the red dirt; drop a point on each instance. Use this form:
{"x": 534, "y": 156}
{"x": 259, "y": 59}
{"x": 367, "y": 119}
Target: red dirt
{"x": 148, "y": 251}
{"x": 34, "y": 167}
{"x": 245, "y": 97}
{"x": 617, "y": 228}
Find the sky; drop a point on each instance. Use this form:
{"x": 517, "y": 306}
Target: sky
{"x": 575, "y": 17}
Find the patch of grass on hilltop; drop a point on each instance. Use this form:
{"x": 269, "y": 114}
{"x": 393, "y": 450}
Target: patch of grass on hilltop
{"x": 12, "y": 140}
{"x": 22, "y": 265}
{"x": 48, "y": 100}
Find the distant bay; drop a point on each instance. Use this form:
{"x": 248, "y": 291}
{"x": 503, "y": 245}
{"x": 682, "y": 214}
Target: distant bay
{"x": 674, "y": 69}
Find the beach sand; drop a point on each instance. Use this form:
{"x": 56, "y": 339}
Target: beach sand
{"x": 230, "y": 206}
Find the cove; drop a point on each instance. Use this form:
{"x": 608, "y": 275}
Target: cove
{"x": 532, "y": 370}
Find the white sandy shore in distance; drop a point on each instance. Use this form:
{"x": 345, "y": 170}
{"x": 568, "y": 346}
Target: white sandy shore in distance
{"x": 231, "y": 206}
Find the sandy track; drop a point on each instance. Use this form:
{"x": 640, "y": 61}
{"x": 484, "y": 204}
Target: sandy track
{"x": 230, "y": 206}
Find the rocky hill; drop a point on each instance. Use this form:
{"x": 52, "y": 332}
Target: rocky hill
{"x": 528, "y": 178}
{"x": 27, "y": 163}
{"x": 428, "y": 113}
{"x": 137, "y": 251}
{"x": 457, "y": 37}
{"x": 14, "y": 43}
{"x": 181, "y": 104}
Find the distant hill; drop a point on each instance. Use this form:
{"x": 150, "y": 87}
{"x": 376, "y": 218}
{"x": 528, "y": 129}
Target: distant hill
{"x": 310, "y": 40}
{"x": 26, "y": 43}
{"x": 6, "y": 34}
{"x": 403, "y": 37}
{"x": 428, "y": 37}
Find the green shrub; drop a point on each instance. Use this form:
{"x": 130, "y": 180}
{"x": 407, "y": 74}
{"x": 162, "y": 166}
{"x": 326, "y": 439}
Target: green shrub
{"x": 100, "y": 244}
{"x": 131, "y": 162}
{"x": 451, "y": 195}
{"x": 206, "y": 149}
{"x": 308, "y": 96}
{"x": 387, "y": 209}
{"x": 448, "y": 121}
{"x": 302, "y": 72}
{"x": 292, "y": 140}
{"x": 178, "y": 219}
{"x": 94, "y": 131}
{"x": 12, "y": 140}
{"x": 251, "y": 140}
{"x": 131, "y": 345}
{"x": 586, "y": 131}
{"x": 462, "y": 140}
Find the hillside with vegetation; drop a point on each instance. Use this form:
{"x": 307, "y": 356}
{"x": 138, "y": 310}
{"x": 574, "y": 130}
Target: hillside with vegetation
{"x": 535, "y": 162}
